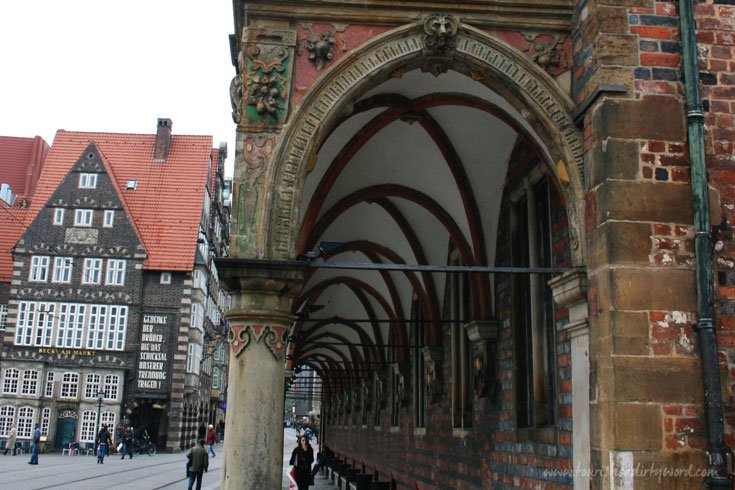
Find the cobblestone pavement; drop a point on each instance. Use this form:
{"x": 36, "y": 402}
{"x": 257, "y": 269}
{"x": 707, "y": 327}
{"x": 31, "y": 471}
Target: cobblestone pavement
{"x": 55, "y": 471}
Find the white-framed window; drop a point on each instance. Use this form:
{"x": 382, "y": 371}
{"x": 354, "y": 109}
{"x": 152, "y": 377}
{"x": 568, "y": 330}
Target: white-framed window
{"x": 193, "y": 358}
{"x": 49, "y": 390}
{"x": 89, "y": 424}
{"x": 115, "y": 272}
{"x": 35, "y": 323}
{"x": 44, "y": 326}
{"x": 62, "y": 269}
{"x": 108, "y": 419}
{"x": 215, "y": 378}
{"x": 87, "y": 181}
{"x": 59, "y": 216}
{"x": 91, "y": 386}
{"x": 116, "y": 325}
{"x": 197, "y": 316}
{"x": 92, "y": 273}
{"x": 45, "y": 420}
{"x": 26, "y": 415}
{"x": 7, "y": 417}
{"x": 3, "y": 316}
{"x": 70, "y": 328}
{"x": 83, "y": 217}
{"x": 69, "y": 385}
{"x": 165, "y": 278}
{"x": 111, "y": 387}
{"x": 10, "y": 381}
{"x": 97, "y": 320}
{"x": 30, "y": 383}
{"x": 96, "y": 327}
{"x": 131, "y": 185}
{"x": 109, "y": 220}
{"x": 39, "y": 268}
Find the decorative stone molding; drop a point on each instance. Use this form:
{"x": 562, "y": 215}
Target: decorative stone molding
{"x": 484, "y": 335}
{"x": 434, "y": 356}
{"x": 274, "y": 337}
{"x": 570, "y": 291}
{"x": 386, "y": 54}
{"x": 440, "y": 41}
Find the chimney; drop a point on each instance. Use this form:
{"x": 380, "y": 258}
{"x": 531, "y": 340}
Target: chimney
{"x": 163, "y": 140}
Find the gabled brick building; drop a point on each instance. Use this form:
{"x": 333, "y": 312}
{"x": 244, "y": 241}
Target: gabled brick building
{"x": 114, "y": 291}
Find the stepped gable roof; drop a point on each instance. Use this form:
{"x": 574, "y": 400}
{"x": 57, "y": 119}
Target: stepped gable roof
{"x": 166, "y": 204}
{"x": 11, "y": 228}
{"x": 16, "y": 156}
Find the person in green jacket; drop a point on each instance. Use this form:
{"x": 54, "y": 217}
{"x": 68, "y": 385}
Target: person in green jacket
{"x": 198, "y": 464}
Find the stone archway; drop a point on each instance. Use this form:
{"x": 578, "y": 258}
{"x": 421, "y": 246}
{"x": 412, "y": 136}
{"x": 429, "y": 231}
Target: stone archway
{"x": 537, "y": 96}
{"x": 268, "y": 193}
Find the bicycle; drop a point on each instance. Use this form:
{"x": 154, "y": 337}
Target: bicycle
{"x": 145, "y": 447}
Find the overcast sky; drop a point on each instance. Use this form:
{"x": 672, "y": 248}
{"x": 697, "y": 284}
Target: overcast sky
{"x": 100, "y": 65}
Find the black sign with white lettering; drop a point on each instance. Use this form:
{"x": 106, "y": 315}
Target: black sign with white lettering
{"x": 156, "y": 355}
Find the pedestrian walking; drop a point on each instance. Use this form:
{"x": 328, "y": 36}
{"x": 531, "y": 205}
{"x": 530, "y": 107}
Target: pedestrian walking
{"x": 211, "y": 440}
{"x": 36, "y": 442}
{"x": 301, "y": 459}
{"x": 11, "y": 441}
{"x": 103, "y": 443}
{"x": 198, "y": 464}
{"x": 127, "y": 443}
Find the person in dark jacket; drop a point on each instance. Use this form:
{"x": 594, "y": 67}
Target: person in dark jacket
{"x": 127, "y": 443}
{"x": 103, "y": 443}
{"x": 301, "y": 459}
{"x": 36, "y": 442}
{"x": 198, "y": 464}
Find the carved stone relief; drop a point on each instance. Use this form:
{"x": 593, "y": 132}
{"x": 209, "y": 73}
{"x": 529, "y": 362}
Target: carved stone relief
{"x": 546, "y": 53}
{"x": 440, "y": 42}
{"x": 256, "y": 154}
{"x": 266, "y": 74}
{"x": 433, "y": 356}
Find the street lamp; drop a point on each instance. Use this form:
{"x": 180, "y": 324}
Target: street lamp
{"x": 100, "y": 396}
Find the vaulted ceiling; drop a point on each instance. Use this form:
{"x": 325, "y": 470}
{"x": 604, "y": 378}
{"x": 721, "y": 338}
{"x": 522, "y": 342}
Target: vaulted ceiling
{"x": 419, "y": 163}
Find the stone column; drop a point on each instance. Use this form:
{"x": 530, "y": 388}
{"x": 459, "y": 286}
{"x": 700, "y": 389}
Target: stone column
{"x": 260, "y": 320}
{"x": 570, "y": 291}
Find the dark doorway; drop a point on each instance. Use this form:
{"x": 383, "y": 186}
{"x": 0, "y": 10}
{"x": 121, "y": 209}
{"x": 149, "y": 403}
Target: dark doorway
{"x": 66, "y": 429}
{"x": 150, "y": 413}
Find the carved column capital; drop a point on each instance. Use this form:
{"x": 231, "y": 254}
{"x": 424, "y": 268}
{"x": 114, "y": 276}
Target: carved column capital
{"x": 262, "y": 293}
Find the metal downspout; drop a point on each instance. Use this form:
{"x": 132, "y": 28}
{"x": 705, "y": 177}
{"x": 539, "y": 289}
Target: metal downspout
{"x": 717, "y": 451}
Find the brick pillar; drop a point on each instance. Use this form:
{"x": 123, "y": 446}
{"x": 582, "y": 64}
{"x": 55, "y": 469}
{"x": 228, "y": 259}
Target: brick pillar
{"x": 646, "y": 396}
{"x": 260, "y": 322}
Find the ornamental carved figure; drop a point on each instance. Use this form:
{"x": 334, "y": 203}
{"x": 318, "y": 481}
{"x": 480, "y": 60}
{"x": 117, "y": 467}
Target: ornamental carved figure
{"x": 440, "y": 42}
{"x": 546, "y": 53}
{"x": 321, "y": 48}
{"x": 236, "y": 90}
